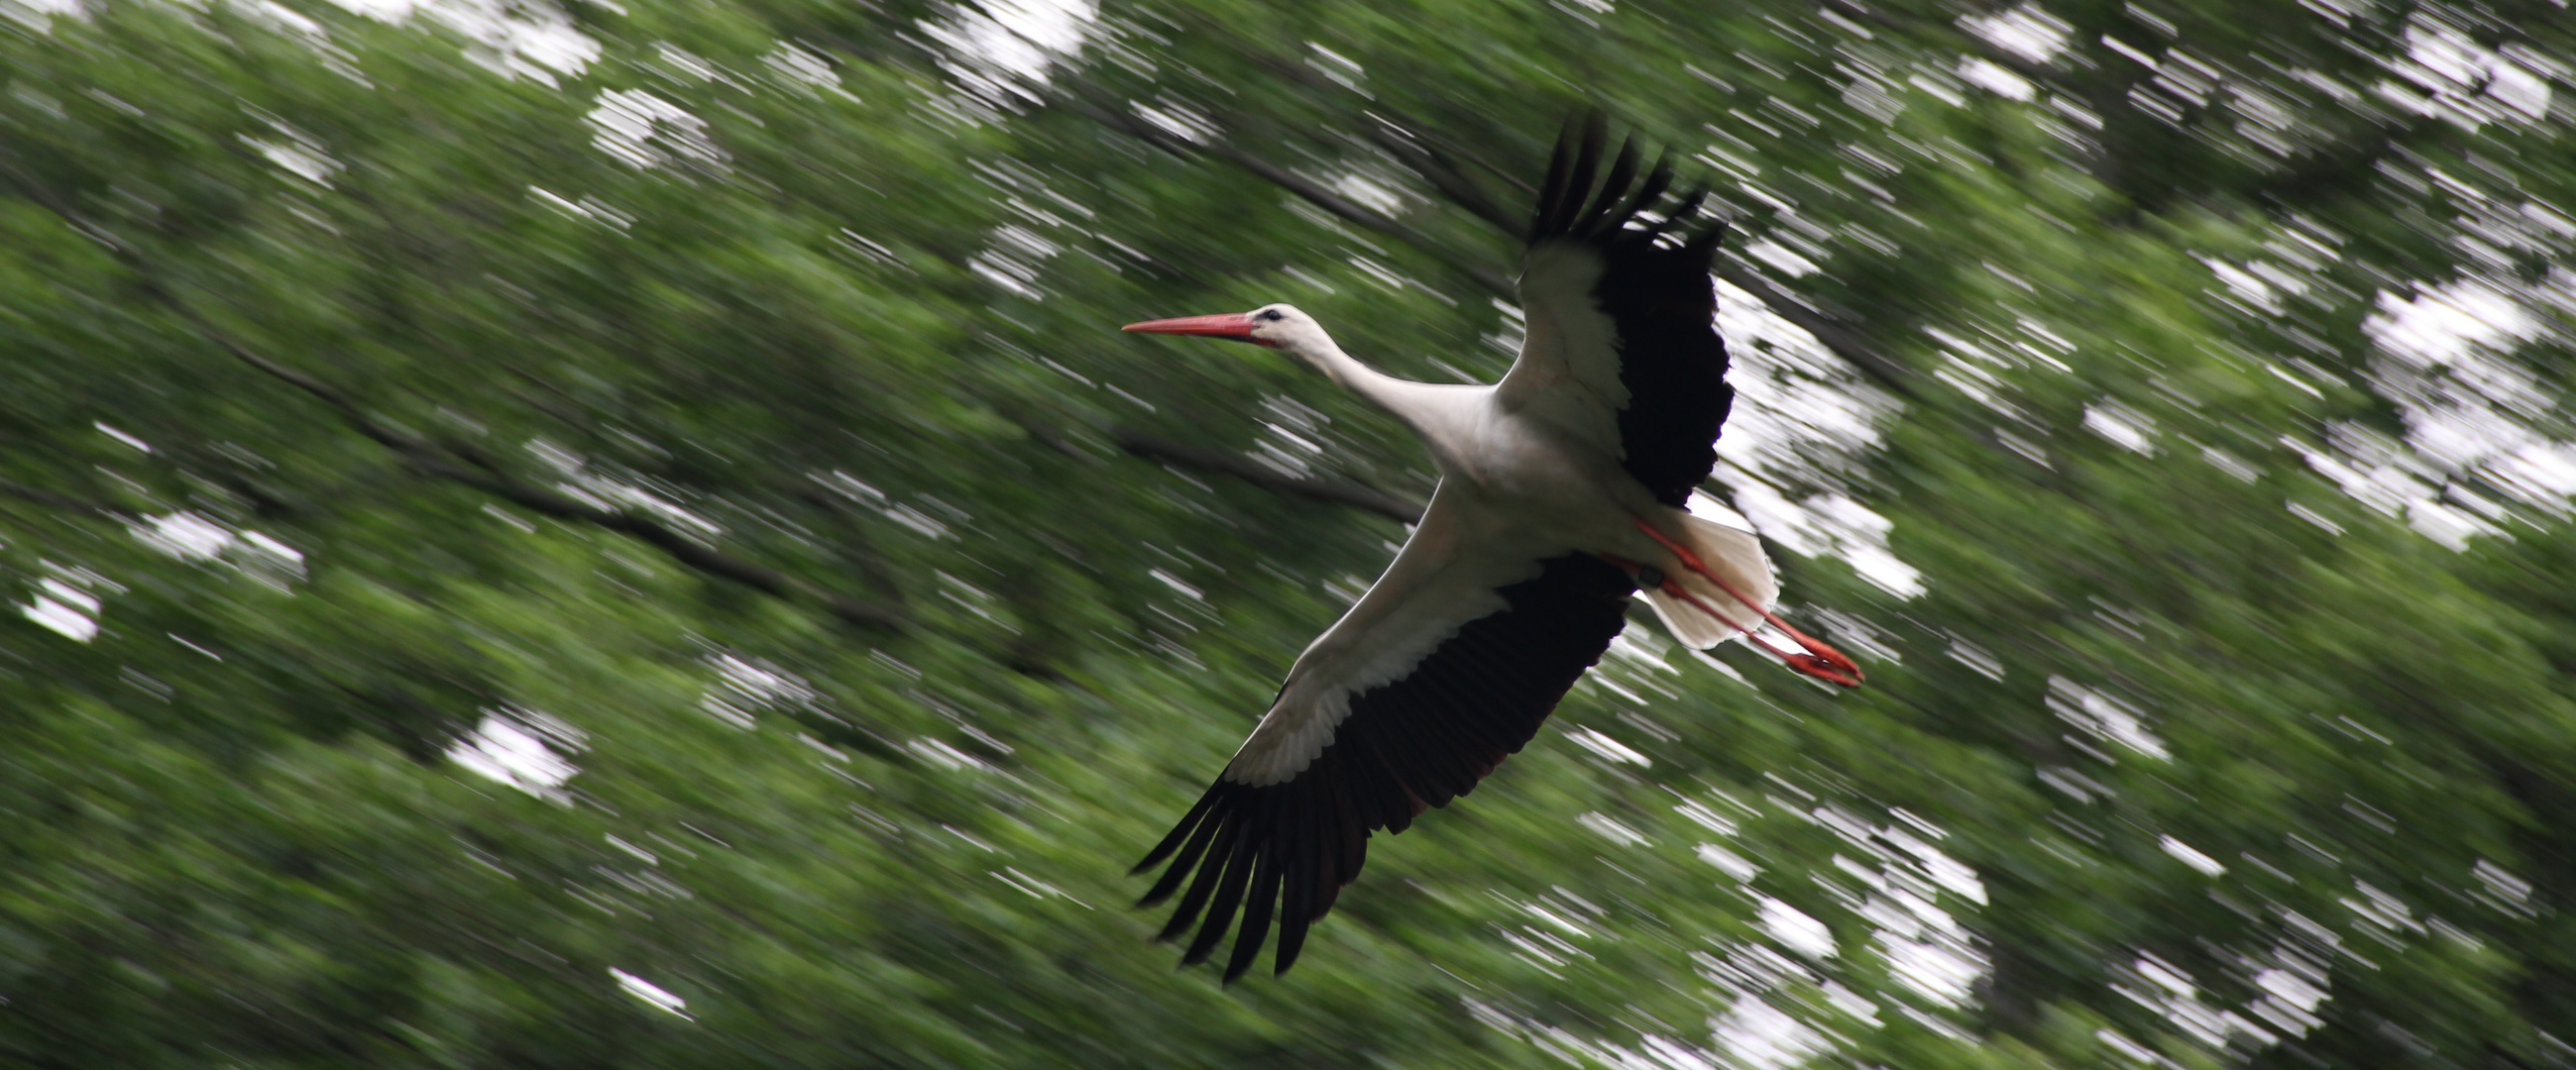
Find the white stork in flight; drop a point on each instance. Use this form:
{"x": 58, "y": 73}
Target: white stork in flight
{"x": 1561, "y": 494}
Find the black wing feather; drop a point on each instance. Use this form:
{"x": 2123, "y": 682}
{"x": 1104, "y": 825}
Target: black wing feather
{"x": 1561, "y": 207}
{"x": 1409, "y": 745}
{"x": 1622, "y": 171}
{"x": 1661, "y": 301}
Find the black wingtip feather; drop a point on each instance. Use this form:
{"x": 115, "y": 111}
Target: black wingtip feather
{"x": 1189, "y": 823}
{"x": 1655, "y": 289}
{"x": 1229, "y": 898}
{"x": 1682, "y": 211}
{"x": 1705, "y": 242}
{"x": 1658, "y": 179}
{"x": 1292, "y": 939}
{"x": 1280, "y": 854}
{"x": 1181, "y": 866}
{"x": 1559, "y": 169}
{"x": 1596, "y": 216}
{"x": 1194, "y": 900}
{"x": 1563, "y": 215}
{"x": 1256, "y": 913}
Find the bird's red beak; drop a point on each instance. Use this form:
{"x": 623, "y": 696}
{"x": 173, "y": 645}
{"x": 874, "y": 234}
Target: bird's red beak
{"x": 1232, "y": 325}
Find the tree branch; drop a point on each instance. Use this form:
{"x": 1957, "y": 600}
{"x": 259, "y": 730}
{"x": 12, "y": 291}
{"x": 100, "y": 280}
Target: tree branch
{"x": 2341, "y": 169}
{"x": 1434, "y": 168}
{"x": 52, "y": 500}
{"x": 1281, "y": 177}
{"x": 1407, "y": 139}
{"x": 1156, "y": 448}
{"x": 443, "y": 461}
{"x": 687, "y": 551}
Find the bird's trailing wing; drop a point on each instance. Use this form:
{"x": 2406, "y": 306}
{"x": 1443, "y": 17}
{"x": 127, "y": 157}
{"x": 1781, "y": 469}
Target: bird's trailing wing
{"x": 1621, "y": 350}
{"x": 1448, "y": 665}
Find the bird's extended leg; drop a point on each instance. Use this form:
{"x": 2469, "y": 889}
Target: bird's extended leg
{"x": 1821, "y": 660}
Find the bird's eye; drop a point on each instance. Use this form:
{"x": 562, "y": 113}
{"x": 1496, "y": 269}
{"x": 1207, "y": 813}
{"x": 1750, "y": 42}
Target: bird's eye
{"x": 1271, "y": 315}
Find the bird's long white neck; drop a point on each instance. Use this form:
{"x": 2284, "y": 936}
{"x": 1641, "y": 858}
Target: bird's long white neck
{"x": 1443, "y": 414}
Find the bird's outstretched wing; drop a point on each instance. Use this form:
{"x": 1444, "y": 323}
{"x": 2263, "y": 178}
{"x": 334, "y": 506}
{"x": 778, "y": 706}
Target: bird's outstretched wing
{"x": 1448, "y": 665}
{"x": 1621, "y": 352}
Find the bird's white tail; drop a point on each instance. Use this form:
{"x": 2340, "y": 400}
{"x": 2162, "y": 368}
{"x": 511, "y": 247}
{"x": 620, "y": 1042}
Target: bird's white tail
{"x": 1733, "y": 554}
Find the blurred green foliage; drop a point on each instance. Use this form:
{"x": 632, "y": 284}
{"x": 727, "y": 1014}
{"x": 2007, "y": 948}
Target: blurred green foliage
{"x": 617, "y": 534}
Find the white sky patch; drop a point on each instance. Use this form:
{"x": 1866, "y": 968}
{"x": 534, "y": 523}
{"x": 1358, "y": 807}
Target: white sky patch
{"x": 1177, "y": 118}
{"x": 746, "y": 686}
{"x": 1294, "y": 438}
{"x": 647, "y": 132}
{"x": 1374, "y": 191}
{"x": 1704, "y": 816}
{"x": 533, "y": 40}
{"x": 1899, "y": 883}
{"x": 1014, "y": 258}
{"x": 2291, "y": 988}
{"x": 1609, "y": 749}
{"x": 1793, "y": 929}
{"x": 65, "y": 609}
{"x": 1779, "y": 256}
{"x": 1338, "y": 67}
{"x": 801, "y": 70}
{"x": 588, "y": 208}
{"x": 2026, "y": 30}
{"x": 2395, "y": 481}
{"x": 2125, "y": 427}
{"x": 1652, "y": 1051}
{"x": 1728, "y": 862}
{"x": 2477, "y": 424}
{"x": 2503, "y": 888}
{"x": 939, "y": 753}
{"x": 2258, "y": 288}
{"x": 2102, "y": 716}
{"x": 123, "y": 437}
{"x": 859, "y": 492}
{"x": 38, "y": 15}
{"x": 1937, "y": 970}
{"x": 2191, "y": 856}
{"x": 297, "y": 153}
{"x": 2292, "y": 991}
{"x": 1990, "y": 76}
{"x": 1896, "y": 879}
{"x": 193, "y": 537}
{"x": 186, "y": 536}
{"x": 1803, "y": 419}
{"x": 1830, "y": 525}
{"x": 525, "y": 750}
{"x": 2230, "y": 463}
{"x": 651, "y": 993}
{"x": 1610, "y": 829}
{"x": 1758, "y": 1036}
{"x": 999, "y": 50}
{"x": 2445, "y": 324}
{"x": 608, "y": 491}
{"x": 2448, "y": 74}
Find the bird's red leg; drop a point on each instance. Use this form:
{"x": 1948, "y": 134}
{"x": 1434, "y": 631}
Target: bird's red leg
{"x": 1672, "y": 587}
{"x": 1821, "y": 660}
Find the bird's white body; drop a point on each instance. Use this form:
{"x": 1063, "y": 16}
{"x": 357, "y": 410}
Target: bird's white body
{"x": 1529, "y": 470}
{"x": 1560, "y": 496}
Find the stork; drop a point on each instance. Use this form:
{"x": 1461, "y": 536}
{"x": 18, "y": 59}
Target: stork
{"x": 1562, "y": 493}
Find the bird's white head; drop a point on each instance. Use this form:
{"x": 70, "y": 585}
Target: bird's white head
{"x": 1280, "y": 327}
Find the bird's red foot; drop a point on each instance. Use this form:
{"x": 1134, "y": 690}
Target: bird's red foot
{"x": 1821, "y": 660}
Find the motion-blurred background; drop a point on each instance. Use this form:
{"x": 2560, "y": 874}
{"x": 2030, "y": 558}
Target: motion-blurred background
{"x": 623, "y": 533}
